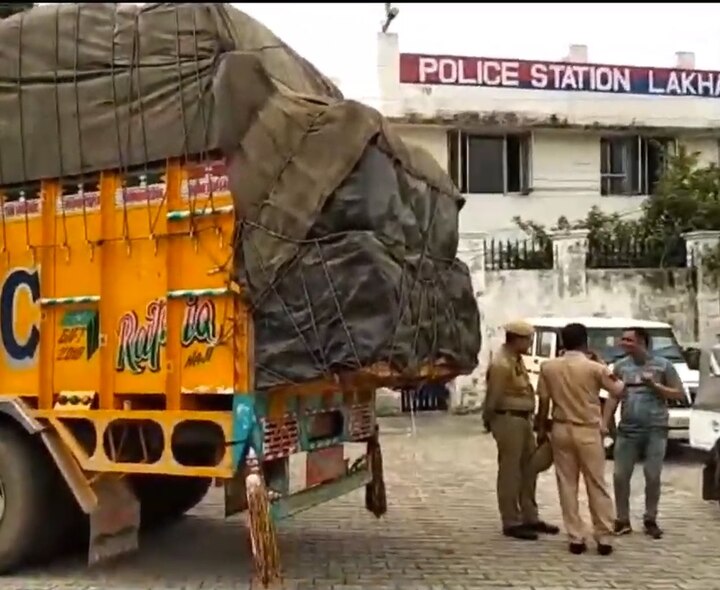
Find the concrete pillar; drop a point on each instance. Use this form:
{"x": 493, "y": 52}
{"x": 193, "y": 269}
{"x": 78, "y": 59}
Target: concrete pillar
{"x": 388, "y": 73}
{"x": 699, "y": 243}
{"x": 685, "y": 60}
{"x": 570, "y": 249}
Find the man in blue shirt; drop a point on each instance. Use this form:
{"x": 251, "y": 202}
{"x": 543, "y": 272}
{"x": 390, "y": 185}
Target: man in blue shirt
{"x": 643, "y": 428}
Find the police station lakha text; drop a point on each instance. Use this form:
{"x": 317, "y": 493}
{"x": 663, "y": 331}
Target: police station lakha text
{"x": 418, "y": 69}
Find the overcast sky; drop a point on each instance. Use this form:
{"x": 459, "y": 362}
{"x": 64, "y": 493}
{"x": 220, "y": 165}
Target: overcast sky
{"x": 341, "y": 39}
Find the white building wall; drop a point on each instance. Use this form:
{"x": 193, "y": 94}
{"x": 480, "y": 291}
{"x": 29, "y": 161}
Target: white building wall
{"x": 429, "y": 137}
{"x": 566, "y": 180}
{"x": 565, "y": 163}
{"x": 567, "y": 107}
{"x": 570, "y": 108}
{"x": 707, "y": 148}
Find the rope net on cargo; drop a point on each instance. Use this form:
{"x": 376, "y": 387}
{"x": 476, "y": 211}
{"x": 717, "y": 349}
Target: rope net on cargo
{"x": 438, "y": 316}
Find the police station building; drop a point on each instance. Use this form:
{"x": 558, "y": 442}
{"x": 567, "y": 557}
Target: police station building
{"x": 544, "y": 139}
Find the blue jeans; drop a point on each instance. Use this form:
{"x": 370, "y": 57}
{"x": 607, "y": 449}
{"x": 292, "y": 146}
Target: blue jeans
{"x": 628, "y": 448}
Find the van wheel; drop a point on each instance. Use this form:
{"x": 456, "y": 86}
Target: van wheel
{"x": 27, "y": 485}
{"x": 165, "y": 498}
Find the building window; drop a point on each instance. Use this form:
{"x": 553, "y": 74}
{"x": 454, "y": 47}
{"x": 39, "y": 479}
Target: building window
{"x": 545, "y": 341}
{"x": 633, "y": 165}
{"x": 498, "y": 164}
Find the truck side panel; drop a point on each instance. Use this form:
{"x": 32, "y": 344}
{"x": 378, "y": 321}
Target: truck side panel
{"x": 121, "y": 292}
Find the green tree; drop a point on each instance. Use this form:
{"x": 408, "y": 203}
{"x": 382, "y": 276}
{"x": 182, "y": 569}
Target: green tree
{"x": 687, "y": 199}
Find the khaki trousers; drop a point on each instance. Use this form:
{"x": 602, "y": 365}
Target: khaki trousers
{"x": 542, "y": 458}
{"x": 576, "y": 450}
{"x": 517, "y": 476}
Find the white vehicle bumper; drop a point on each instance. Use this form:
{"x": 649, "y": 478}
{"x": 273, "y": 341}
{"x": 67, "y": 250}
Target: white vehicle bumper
{"x": 679, "y": 424}
{"x": 704, "y": 429}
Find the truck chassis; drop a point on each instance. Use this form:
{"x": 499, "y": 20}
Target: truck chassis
{"x": 252, "y": 466}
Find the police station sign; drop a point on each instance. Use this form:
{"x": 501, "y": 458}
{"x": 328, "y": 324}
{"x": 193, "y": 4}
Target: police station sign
{"x": 543, "y": 75}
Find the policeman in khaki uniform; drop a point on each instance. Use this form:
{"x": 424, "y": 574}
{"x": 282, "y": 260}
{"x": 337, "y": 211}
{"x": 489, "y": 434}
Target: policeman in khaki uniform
{"x": 508, "y": 413}
{"x": 573, "y": 383}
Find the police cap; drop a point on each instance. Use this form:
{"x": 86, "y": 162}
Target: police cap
{"x": 519, "y": 328}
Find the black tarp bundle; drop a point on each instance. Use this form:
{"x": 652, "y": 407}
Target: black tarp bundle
{"x": 348, "y": 238}
{"x": 370, "y": 283}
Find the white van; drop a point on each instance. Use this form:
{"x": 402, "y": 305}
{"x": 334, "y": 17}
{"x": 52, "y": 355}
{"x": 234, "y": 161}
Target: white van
{"x": 604, "y": 338}
{"x": 705, "y": 415}
{"x": 705, "y": 421}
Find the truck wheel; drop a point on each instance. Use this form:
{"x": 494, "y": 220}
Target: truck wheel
{"x": 27, "y": 486}
{"x": 165, "y": 498}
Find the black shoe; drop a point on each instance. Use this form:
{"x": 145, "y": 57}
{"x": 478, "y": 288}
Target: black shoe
{"x": 652, "y": 529}
{"x": 542, "y": 527}
{"x": 577, "y": 548}
{"x": 622, "y": 527}
{"x": 520, "y": 532}
{"x": 604, "y": 549}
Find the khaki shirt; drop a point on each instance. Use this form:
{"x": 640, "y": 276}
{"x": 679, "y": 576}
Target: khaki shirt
{"x": 508, "y": 385}
{"x": 573, "y": 383}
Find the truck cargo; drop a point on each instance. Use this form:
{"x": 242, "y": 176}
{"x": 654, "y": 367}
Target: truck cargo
{"x": 209, "y": 261}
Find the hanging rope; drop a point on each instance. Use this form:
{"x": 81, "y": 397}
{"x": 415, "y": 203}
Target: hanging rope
{"x": 118, "y": 132}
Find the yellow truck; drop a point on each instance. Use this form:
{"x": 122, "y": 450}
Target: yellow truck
{"x": 169, "y": 322}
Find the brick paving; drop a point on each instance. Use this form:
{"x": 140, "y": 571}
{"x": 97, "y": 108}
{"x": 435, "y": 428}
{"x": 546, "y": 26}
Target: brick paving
{"x": 441, "y": 533}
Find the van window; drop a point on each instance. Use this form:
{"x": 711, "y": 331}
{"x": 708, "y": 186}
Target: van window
{"x": 606, "y": 342}
{"x": 544, "y": 339}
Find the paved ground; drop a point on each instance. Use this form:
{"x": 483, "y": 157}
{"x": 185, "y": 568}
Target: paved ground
{"x": 441, "y": 532}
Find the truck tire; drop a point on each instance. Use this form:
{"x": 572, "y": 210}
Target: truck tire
{"x": 28, "y": 483}
{"x": 165, "y": 498}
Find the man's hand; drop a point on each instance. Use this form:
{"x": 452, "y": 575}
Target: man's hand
{"x": 604, "y": 429}
{"x": 593, "y": 356}
{"x": 648, "y": 379}
{"x": 622, "y": 393}
{"x": 662, "y": 390}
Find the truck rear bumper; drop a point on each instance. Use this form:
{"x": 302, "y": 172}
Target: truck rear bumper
{"x": 679, "y": 434}
{"x": 316, "y": 495}
{"x": 679, "y": 424}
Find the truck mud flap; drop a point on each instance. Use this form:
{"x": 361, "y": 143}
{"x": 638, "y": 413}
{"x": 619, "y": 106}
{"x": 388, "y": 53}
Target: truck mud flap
{"x": 70, "y": 470}
{"x": 15, "y": 409}
{"x": 115, "y": 522}
{"x": 316, "y": 495}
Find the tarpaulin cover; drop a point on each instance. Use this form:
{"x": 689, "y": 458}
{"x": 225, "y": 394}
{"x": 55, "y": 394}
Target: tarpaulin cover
{"x": 348, "y": 237}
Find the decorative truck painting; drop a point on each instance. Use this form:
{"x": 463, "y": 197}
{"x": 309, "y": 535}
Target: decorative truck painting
{"x": 183, "y": 295}
{"x": 140, "y": 342}
{"x": 544, "y": 75}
